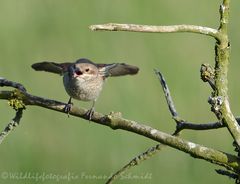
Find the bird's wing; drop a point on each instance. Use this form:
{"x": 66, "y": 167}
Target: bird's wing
{"x": 58, "y": 68}
{"x": 117, "y": 69}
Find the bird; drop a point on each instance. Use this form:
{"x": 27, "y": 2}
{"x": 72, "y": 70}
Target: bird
{"x": 83, "y": 80}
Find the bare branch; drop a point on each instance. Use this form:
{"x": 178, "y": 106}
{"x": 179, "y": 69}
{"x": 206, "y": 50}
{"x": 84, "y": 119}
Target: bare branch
{"x": 207, "y": 75}
{"x": 156, "y": 29}
{"x": 227, "y": 173}
{"x": 17, "y": 106}
{"x": 167, "y": 94}
{"x": 10, "y": 127}
{"x": 181, "y": 123}
{"x": 136, "y": 161}
{"x": 5, "y": 82}
{"x": 220, "y": 100}
{"x": 115, "y": 121}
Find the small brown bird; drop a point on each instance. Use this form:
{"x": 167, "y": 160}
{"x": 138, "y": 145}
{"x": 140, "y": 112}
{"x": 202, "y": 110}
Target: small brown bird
{"x": 83, "y": 80}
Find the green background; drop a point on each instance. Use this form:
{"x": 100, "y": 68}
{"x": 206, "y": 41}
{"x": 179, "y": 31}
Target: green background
{"x": 57, "y": 30}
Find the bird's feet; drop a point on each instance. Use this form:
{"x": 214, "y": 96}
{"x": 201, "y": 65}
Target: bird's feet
{"x": 68, "y": 108}
{"x": 89, "y": 114}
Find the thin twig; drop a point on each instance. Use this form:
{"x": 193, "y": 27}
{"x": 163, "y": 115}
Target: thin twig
{"x": 167, "y": 94}
{"x": 182, "y": 124}
{"x": 203, "y": 126}
{"x": 227, "y": 173}
{"x": 156, "y": 29}
{"x": 11, "y": 126}
{"x": 5, "y": 82}
{"x": 136, "y": 161}
{"x": 207, "y": 75}
{"x": 19, "y": 111}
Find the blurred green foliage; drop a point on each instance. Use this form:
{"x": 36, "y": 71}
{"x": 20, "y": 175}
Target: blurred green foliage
{"x": 48, "y": 142}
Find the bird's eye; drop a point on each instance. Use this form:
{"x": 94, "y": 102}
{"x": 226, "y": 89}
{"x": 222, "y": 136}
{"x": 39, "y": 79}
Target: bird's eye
{"x": 87, "y": 70}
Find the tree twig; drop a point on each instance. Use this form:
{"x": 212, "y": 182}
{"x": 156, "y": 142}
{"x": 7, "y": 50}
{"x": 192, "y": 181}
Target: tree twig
{"x": 167, "y": 94}
{"x": 227, "y": 173}
{"x": 207, "y": 75}
{"x": 17, "y": 106}
{"x": 182, "y": 124}
{"x": 5, "y": 82}
{"x": 156, "y": 29}
{"x": 11, "y": 126}
{"x": 136, "y": 161}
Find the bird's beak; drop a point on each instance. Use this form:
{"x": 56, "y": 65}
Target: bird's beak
{"x": 74, "y": 72}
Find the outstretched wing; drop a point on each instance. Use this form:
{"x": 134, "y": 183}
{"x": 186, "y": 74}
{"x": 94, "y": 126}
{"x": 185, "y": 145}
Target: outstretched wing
{"x": 58, "y": 68}
{"x": 117, "y": 69}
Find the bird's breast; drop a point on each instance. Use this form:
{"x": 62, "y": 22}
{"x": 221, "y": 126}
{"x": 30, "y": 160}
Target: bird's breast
{"x": 82, "y": 89}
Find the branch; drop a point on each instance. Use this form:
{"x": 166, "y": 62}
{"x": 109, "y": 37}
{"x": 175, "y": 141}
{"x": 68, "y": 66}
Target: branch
{"x": 115, "y": 121}
{"x": 156, "y": 29}
{"x": 219, "y": 100}
{"x": 136, "y": 161}
{"x": 181, "y": 123}
{"x": 11, "y": 126}
{"x": 5, "y": 82}
{"x": 208, "y": 75}
{"x": 16, "y": 104}
{"x": 227, "y": 173}
{"x": 167, "y": 94}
